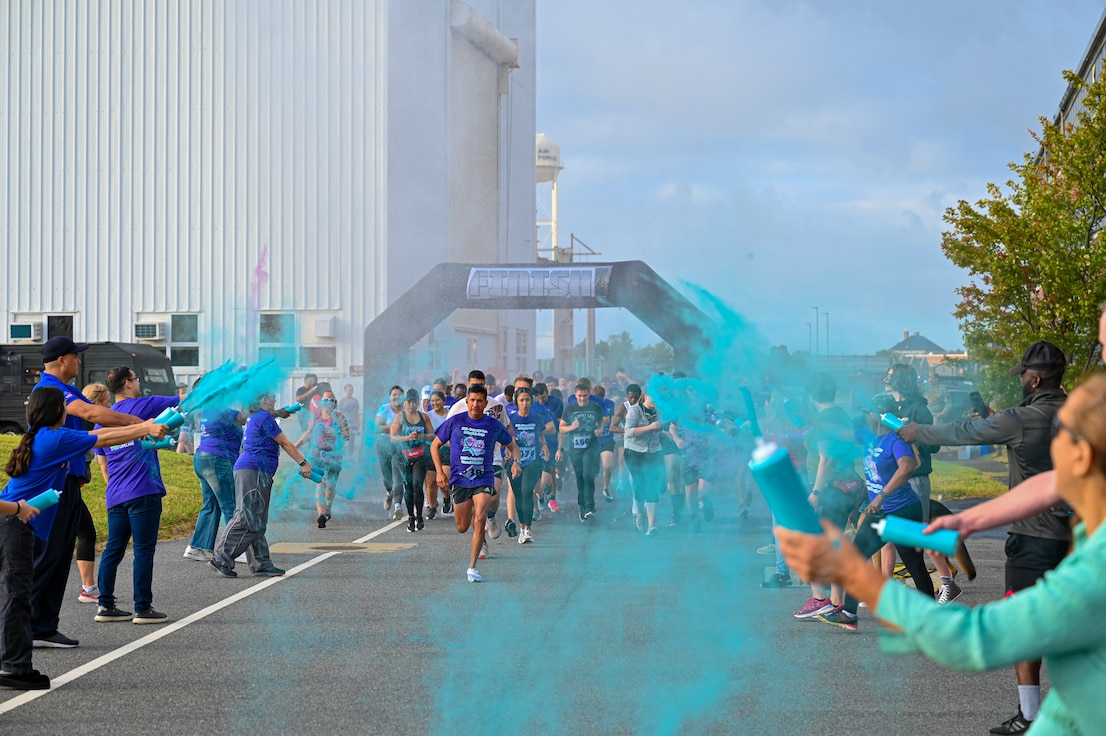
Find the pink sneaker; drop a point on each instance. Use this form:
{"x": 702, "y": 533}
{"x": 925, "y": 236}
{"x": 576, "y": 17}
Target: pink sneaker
{"x": 553, "y": 505}
{"x": 814, "y": 607}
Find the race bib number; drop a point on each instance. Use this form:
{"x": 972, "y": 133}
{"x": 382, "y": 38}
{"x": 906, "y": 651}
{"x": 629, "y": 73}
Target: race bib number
{"x": 581, "y": 442}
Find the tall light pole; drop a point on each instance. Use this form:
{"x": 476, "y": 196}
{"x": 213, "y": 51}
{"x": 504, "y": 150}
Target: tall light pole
{"x": 826, "y": 315}
{"x": 809, "y": 337}
{"x": 817, "y": 328}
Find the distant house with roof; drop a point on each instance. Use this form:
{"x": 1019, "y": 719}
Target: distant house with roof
{"x": 927, "y": 356}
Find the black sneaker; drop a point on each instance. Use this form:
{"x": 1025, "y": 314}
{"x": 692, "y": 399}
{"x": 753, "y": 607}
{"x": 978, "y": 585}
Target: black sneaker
{"x": 1017, "y": 724}
{"x": 150, "y": 617}
{"x": 411, "y": 524}
{"x": 447, "y": 506}
{"x": 431, "y": 512}
{"x": 511, "y": 528}
{"x": 33, "y": 680}
{"x": 106, "y": 615}
{"x": 420, "y": 524}
{"x": 268, "y": 572}
{"x": 778, "y": 580}
{"x": 57, "y": 640}
{"x": 222, "y": 569}
{"x": 583, "y": 518}
{"x": 321, "y": 521}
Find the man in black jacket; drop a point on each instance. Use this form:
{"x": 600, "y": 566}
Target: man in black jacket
{"x": 1037, "y": 544}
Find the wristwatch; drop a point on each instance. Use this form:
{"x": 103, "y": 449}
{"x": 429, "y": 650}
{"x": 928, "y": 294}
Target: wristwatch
{"x": 303, "y": 462}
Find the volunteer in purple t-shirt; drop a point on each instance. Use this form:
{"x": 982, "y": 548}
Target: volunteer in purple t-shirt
{"x": 134, "y": 496}
{"x": 253, "y": 484}
{"x": 37, "y": 464}
{"x": 220, "y": 442}
{"x": 471, "y": 438}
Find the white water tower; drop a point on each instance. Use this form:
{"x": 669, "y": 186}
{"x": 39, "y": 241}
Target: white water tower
{"x": 548, "y": 160}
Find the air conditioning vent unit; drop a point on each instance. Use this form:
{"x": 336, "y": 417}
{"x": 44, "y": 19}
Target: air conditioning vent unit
{"x": 149, "y": 330}
{"x": 25, "y": 331}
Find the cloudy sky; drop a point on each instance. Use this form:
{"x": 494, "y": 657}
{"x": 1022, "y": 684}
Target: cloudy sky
{"x": 791, "y": 155}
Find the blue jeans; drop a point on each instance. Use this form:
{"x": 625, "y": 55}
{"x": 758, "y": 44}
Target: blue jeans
{"x": 138, "y": 518}
{"x": 216, "y": 476}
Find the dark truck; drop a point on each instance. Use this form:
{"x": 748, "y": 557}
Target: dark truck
{"x": 21, "y": 366}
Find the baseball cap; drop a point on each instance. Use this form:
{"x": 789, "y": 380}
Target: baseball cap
{"x": 1041, "y": 356}
{"x": 412, "y": 395}
{"x": 56, "y": 347}
{"x": 426, "y": 391}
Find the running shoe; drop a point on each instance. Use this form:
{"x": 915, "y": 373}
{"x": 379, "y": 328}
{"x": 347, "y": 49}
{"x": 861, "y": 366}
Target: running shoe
{"x": 524, "y": 536}
{"x": 321, "y": 521}
{"x": 1017, "y": 724}
{"x": 33, "y": 680}
{"x": 268, "y": 572}
{"x": 388, "y": 501}
{"x": 607, "y": 495}
{"x": 397, "y": 512}
{"x": 589, "y": 514}
{"x": 474, "y": 576}
{"x": 195, "y": 553}
{"x": 484, "y": 550}
{"x": 149, "y": 617}
{"x": 768, "y": 549}
{"x": 707, "y": 507}
{"x": 840, "y": 618}
{"x": 511, "y": 528}
{"x": 814, "y": 607}
{"x": 949, "y": 591}
{"x": 411, "y": 524}
{"x": 778, "y": 580}
{"x": 537, "y": 514}
{"x": 223, "y": 570}
{"x": 553, "y": 505}
{"x": 652, "y": 532}
{"x": 57, "y": 640}
{"x": 639, "y": 521}
{"x": 493, "y": 527}
{"x": 583, "y": 517}
{"x": 447, "y": 505}
{"x": 89, "y": 596}
{"x": 431, "y": 512}
{"x": 540, "y": 505}
{"x": 105, "y": 614}
{"x": 419, "y": 524}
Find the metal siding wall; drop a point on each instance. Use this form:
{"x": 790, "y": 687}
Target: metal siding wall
{"x": 158, "y": 149}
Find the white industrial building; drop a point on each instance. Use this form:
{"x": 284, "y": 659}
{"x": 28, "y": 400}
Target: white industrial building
{"x": 249, "y": 178}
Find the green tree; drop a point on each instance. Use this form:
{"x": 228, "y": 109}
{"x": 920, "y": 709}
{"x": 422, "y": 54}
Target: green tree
{"x": 1035, "y": 253}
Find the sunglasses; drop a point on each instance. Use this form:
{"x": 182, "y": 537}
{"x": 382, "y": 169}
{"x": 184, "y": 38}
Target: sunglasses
{"x": 1058, "y": 427}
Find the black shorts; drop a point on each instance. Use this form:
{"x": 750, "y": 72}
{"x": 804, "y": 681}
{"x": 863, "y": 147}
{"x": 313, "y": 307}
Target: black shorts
{"x": 692, "y": 474}
{"x": 1029, "y": 558}
{"x": 461, "y": 494}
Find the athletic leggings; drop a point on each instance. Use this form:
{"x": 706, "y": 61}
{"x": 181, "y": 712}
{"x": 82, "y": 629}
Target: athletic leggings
{"x": 524, "y": 486}
{"x": 413, "y": 475}
{"x": 648, "y": 473}
{"x": 86, "y": 535}
{"x": 869, "y": 542}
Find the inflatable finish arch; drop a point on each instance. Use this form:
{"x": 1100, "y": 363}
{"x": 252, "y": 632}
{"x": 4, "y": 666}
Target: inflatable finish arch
{"x": 631, "y": 285}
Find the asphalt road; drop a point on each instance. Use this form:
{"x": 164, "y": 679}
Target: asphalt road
{"x": 591, "y": 629}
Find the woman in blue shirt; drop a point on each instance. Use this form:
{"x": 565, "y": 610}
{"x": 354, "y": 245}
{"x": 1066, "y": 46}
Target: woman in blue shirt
{"x": 1058, "y": 619}
{"x": 38, "y": 463}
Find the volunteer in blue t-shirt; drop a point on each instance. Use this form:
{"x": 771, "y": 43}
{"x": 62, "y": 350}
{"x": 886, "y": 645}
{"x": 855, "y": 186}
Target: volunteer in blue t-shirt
{"x": 134, "y": 493}
{"x": 471, "y": 438}
{"x": 220, "y": 443}
{"x": 61, "y": 358}
{"x": 253, "y": 485}
{"x": 38, "y": 463}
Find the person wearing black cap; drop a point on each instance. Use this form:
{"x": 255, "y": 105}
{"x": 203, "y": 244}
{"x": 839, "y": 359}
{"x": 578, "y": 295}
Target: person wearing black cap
{"x": 1037, "y": 544}
{"x": 62, "y": 360}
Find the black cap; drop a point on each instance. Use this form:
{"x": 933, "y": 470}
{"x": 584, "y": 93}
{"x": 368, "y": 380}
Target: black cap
{"x": 412, "y": 395}
{"x": 1041, "y": 356}
{"x": 56, "y": 347}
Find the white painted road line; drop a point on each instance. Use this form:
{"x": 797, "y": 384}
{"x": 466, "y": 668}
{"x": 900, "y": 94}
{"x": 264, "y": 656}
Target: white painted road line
{"x": 167, "y": 629}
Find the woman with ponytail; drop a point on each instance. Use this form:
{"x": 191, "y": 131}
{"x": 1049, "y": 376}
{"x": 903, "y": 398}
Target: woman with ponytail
{"x": 38, "y": 463}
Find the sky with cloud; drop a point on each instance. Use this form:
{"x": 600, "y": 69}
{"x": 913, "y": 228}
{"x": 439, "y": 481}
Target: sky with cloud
{"x": 791, "y": 155}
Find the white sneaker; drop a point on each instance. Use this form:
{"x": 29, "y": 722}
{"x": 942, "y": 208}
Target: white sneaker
{"x": 195, "y": 553}
{"x": 484, "y": 550}
{"x": 474, "y": 576}
{"x": 397, "y": 512}
{"x": 524, "y": 537}
{"x": 493, "y": 527}
{"x": 89, "y": 596}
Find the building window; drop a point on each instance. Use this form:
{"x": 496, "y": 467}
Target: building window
{"x": 522, "y": 338}
{"x": 278, "y": 337}
{"x": 318, "y": 356}
{"x": 59, "y": 325}
{"x": 184, "y": 340}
